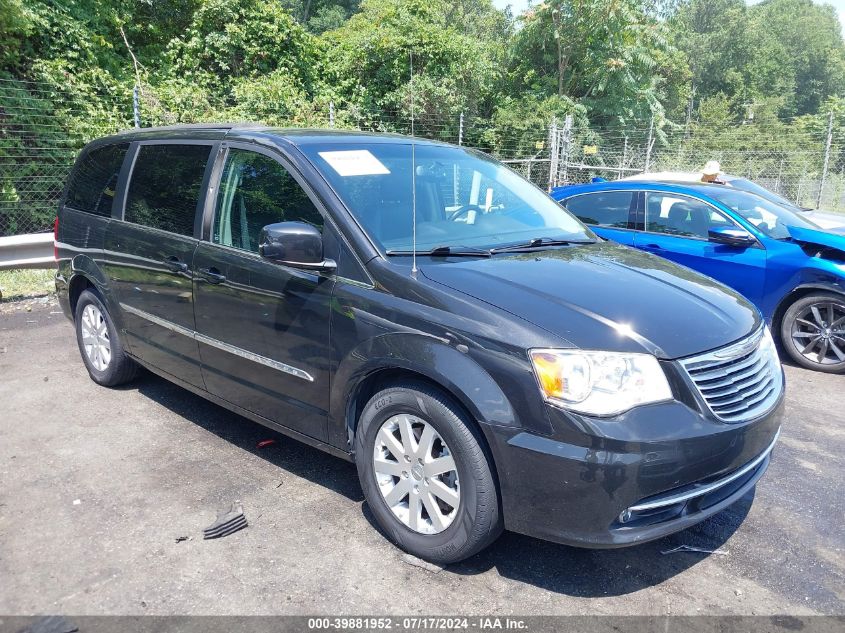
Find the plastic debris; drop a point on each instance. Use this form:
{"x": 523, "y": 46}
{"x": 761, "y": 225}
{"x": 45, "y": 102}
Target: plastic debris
{"x": 264, "y": 443}
{"x": 697, "y": 550}
{"x": 228, "y": 522}
{"x": 179, "y": 539}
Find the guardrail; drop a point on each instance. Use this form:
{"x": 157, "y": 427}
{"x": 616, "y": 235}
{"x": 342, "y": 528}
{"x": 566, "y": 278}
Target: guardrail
{"x": 27, "y": 251}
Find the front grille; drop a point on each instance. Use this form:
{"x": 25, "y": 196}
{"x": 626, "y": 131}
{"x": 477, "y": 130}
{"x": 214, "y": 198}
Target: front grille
{"x": 741, "y": 381}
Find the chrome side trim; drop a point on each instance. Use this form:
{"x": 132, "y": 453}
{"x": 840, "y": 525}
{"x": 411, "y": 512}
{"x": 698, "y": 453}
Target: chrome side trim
{"x": 213, "y": 342}
{"x": 169, "y": 325}
{"x": 703, "y": 490}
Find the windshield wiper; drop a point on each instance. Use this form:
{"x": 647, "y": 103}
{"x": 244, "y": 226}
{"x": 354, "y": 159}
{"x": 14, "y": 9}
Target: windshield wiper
{"x": 539, "y": 242}
{"x": 449, "y": 251}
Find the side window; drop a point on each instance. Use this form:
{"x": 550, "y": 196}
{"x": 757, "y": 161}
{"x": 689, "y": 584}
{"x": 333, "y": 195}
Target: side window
{"x": 165, "y": 187}
{"x": 93, "y": 182}
{"x": 603, "y": 209}
{"x": 679, "y": 215}
{"x": 255, "y": 190}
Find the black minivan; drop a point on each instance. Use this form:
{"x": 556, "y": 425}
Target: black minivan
{"x": 485, "y": 359}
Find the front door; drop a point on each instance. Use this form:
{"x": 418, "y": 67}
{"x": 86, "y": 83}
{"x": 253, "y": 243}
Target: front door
{"x": 262, "y": 328}
{"x": 149, "y": 255}
{"x": 676, "y": 227}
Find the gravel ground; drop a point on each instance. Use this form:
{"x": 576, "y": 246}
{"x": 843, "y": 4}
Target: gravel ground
{"x": 97, "y": 485}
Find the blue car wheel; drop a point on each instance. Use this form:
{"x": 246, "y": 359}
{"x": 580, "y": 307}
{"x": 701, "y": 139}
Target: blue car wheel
{"x": 813, "y": 332}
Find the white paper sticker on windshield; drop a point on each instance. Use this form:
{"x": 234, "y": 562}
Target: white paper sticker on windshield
{"x": 356, "y": 162}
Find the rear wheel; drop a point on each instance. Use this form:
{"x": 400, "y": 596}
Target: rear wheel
{"x": 813, "y": 332}
{"x": 99, "y": 344}
{"x": 425, "y": 474}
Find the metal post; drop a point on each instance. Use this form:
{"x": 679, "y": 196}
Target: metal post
{"x": 331, "y": 113}
{"x": 649, "y": 145}
{"x": 826, "y": 159}
{"x": 136, "y": 106}
{"x": 552, "y": 151}
{"x": 567, "y": 143}
{"x": 461, "y": 130}
{"x": 624, "y": 156}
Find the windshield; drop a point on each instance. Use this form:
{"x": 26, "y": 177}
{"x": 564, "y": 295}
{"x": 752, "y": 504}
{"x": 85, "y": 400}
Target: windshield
{"x": 769, "y": 218}
{"x": 771, "y": 196}
{"x": 463, "y": 198}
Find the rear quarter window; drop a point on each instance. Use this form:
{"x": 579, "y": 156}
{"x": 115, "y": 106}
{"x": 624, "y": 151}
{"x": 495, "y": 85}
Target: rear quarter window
{"x": 608, "y": 208}
{"x": 92, "y": 184}
{"x": 166, "y": 185}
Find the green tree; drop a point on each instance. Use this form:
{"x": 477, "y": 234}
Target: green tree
{"x": 613, "y": 56}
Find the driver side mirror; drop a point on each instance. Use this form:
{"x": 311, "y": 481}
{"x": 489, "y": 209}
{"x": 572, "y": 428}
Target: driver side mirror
{"x": 731, "y": 237}
{"x": 294, "y": 244}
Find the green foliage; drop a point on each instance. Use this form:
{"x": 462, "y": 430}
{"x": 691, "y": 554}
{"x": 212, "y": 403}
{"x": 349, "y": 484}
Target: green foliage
{"x": 368, "y": 59}
{"x": 611, "y": 55}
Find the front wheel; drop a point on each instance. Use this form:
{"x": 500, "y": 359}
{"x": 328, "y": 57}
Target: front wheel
{"x": 425, "y": 474}
{"x": 813, "y": 332}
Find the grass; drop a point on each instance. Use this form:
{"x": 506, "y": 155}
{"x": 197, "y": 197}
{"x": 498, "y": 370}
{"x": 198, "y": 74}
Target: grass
{"x": 20, "y": 284}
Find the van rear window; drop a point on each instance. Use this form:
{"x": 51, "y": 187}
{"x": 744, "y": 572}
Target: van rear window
{"x": 165, "y": 186}
{"x": 94, "y": 179}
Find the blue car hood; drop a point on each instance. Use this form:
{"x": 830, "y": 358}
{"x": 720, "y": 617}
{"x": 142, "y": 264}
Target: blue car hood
{"x": 815, "y": 236}
{"x": 606, "y": 296}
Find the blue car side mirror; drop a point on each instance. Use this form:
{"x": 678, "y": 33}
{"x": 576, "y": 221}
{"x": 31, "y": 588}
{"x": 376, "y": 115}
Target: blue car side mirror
{"x": 731, "y": 236}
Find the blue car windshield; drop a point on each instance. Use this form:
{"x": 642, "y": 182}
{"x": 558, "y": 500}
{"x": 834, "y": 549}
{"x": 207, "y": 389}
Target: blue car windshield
{"x": 769, "y": 218}
{"x": 463, "y": 198}
{"x": 752, "y": 187}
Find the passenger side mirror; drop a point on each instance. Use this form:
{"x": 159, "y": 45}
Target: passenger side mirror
{"x": 731, "y": 236}
{"x": 294, "y": 244}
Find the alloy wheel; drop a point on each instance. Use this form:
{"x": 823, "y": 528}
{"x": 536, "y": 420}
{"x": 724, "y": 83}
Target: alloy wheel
{"x": 95, "y": 337}
{"x": 818, "y": 333}
{"x": 416, "y": 474}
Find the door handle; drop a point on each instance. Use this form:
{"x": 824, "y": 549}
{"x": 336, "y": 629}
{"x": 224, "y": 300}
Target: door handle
{"x": 212, "y": 275}
{"x": 175, "y": 265}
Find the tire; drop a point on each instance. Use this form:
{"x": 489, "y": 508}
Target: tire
{"x": 474, "y": 521}
{"x": 818, "y": 321}
{"x": 114, "y": 368}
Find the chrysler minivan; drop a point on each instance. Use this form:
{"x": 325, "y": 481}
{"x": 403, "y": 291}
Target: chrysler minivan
{"x": 418, "y": 308}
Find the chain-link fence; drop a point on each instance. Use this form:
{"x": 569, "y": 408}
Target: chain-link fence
{"x": 41, "y": 131}
{"x": 805, "y": 166}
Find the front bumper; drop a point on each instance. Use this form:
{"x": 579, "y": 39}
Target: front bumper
{"x": 615, "y": 482}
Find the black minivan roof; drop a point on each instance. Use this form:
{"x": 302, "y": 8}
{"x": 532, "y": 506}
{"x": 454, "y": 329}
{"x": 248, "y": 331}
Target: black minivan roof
{"x": 295, "y": 136}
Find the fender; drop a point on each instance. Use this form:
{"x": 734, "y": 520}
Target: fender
{"x": 84, "y": 266}
{"x": 787, "y": 299}
{"x": 432, "y": 357}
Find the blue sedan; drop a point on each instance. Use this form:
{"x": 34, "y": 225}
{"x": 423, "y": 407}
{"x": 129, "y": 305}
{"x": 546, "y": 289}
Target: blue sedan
{"x": 792, "y": 269}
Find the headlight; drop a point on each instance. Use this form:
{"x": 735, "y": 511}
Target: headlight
{"x": 599, "y": 383}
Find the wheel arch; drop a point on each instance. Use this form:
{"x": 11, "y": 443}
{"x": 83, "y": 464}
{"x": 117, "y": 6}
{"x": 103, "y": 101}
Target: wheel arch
{"x": 797, "y": 293}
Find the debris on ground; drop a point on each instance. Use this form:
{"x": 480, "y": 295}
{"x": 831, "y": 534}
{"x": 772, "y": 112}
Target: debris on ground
{"x": 228, "y": 522}
{"x": 422, "y": 564}
{"x": 77, "y": 502}
{"x": 697, "y": 550}
{"x": 264, "y": 443}
{"x": 179, "y": 539}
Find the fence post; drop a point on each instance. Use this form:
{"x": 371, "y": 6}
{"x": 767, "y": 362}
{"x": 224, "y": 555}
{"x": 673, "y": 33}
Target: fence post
{"x": 565, "y": 150}
{"x": 331, "y": 113}
{"x": 461, "y": 130}
{"x": 552, "y": 151}
{"x": 624, "y": 157}
{"x": 649, "y": 145}
{"x": 826, "y": 159}
{"x": 136, "y": 107}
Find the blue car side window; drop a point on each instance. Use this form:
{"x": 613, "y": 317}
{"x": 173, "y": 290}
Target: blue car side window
{"x": 673, "y": 214}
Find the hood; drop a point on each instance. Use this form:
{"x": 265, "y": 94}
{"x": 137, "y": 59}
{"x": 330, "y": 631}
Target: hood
{"x": 815, "y": 236}
{"x": 607, "y": 297}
